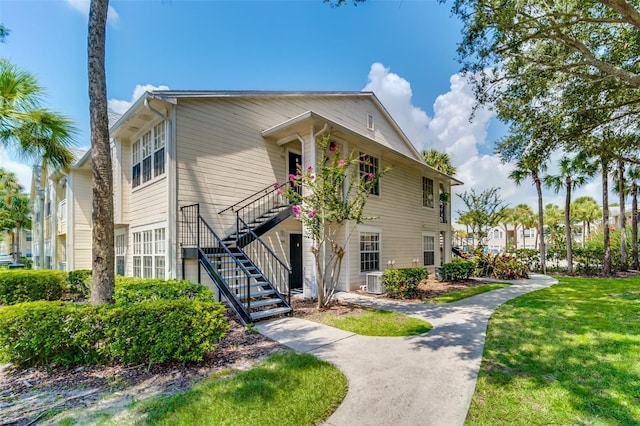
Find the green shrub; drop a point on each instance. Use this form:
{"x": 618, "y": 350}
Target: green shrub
{"x": 135, "y": 290}
{"x": 482, "y": 264}
{"x": 506, "y": 267}
{"x": 403, "y": 283}
{"x": 456, "y": 270}
{"x": 27, "y": 262}
{"x": 45, "y": 333}
{"x": 529, "y": 257}
{"x": 80, "y": 281}
{"x": 22, "y": 285}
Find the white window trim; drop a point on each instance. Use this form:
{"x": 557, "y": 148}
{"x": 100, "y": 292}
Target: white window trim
{"x": 143, "y": 228}
{"x": 371, "y": 123}
{"x": 138, "y": 139}
{"x": 433, "y": 193}
{"x": 370, "y": 229}
{"x": 422, "y": 250}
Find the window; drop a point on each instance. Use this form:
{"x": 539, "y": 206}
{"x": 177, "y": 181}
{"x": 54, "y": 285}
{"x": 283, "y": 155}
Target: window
{"x": 120, "y": 249}
{"x": 428, "y": 248}
{"x": 369, "y": 251}
{"x": 497, "y": 234}
{"x": 29, "y": 236}
{"x": 528, "y": 233}
{"x": 369, "y": 170}
{"x": 370, "y": 122}
{"x": 148, "y": 156}
{"x": 135, "y": 160}
{"x": 158, "y": 149}
{"x": 149, "y": 248}
{"x": 427, "y": 192}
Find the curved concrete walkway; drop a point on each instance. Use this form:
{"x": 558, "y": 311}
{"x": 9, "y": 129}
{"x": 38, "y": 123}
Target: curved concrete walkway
{"x": 419, "y": 380}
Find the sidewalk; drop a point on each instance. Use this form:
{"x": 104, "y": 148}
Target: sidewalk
{"x": 418, "y": 380}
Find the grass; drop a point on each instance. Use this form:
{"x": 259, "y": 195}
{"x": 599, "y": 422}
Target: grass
{"x": 376, "y": 322}
{"x": 569, "y": 354}
{"x": 285, "y": 389}
{"x": 456, "y": 295}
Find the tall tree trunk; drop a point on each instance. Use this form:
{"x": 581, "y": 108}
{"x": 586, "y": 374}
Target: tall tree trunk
{"x": 543, "y": 252}
{"x": 17, "y": 256}
{"x": 102, "y": 248}
{"x": 606, "y": 261}
{"x": 634, "y": 225}
{"x": 623, "y": 217}
{"x": 567, "y": 226}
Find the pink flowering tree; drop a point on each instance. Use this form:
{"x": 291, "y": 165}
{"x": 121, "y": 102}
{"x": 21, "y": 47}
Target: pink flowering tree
{"x": 332, "y": 195}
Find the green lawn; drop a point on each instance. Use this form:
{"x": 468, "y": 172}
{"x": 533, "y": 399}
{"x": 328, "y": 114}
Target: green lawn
{"x": 454, "y": 296}
{"x": 566, "y": 355}
{"x": 286, "y": 389}
{"x": 376, "y": 322}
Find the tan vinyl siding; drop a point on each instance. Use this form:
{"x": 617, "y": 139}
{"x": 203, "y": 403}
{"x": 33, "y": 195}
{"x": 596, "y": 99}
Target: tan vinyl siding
{"x": 400, "y": 217}
{"x": 148, "y": 203}
{"x": 82, "y": 207}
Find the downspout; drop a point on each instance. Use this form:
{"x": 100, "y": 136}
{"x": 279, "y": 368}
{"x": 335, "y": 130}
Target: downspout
{"x": 171, "y": 190}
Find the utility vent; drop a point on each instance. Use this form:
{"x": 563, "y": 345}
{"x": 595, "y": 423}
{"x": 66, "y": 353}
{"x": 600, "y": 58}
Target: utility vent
{"x": 374, "y": 283}
{"x": 370, "y": 122}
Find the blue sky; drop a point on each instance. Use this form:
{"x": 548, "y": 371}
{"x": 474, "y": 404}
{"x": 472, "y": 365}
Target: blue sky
{"x": 405, "y": 51}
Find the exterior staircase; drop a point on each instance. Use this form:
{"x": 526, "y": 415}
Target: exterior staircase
{"x": 252, "y": 279}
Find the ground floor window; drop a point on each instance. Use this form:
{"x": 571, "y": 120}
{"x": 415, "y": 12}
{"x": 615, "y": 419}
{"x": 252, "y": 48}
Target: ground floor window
{"x": 428, "y": 250}
{"x": 120, "y": 249}
{"x": 149, "y": 253}
{"x": 369, "y": 251}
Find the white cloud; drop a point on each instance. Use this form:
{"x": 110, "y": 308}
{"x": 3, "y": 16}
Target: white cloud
{"x": 395, "y": 94}
{"x": 82, "y": 6}
{"x": 22, "y": 171}
{"x": 121, "y": 106}
{"x": 451, "y": 130}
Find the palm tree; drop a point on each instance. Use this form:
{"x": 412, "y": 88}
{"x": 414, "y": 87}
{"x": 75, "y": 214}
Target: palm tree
{"x": 574, "y": 172}
{"x": 15, "y": 211}
{"x": 531, "y": 167}
{"x": 633, "y": 177}
{"x": 621, "y": 188}
{"x": 33, "y": 131}
{"x": 524, "y": 217}
{"x": 439, "y": 161}
{"x": 102, "y": 217}
{"x": 586, "y": 211}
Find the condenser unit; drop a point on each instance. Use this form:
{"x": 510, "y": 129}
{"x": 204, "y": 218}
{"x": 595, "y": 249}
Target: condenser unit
{"x": 374, "y": 283}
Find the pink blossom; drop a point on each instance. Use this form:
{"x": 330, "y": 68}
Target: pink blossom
{"x": 310, "y": 168}
{"x": 343, "y": 163}
{"x": 280, "y": 191}
{"x": 292, "y": 176}
{"x": 333, "y": 146}
{"x": 311, "y": 213}
{"x": 276, "y": 185}
{"x": 297, "y": 217}
{"x": 296, "y": 209}
{"x": 371, "y": 175}
{"x": 312, "y": 176}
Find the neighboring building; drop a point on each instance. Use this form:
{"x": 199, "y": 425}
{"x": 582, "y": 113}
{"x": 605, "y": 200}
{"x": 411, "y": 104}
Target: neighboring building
{"x": 177, "y": 153}
{"x": 25, "y": 243}
{"x": 519, "y": 238}
{"x": 61, "y": 218}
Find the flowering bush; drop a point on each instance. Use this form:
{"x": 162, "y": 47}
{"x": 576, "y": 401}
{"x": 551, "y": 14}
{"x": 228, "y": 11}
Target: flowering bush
{"x": 331, "y": 195}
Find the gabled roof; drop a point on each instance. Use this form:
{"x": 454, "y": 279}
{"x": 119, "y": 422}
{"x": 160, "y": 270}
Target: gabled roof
{"x": 171, "y": 96}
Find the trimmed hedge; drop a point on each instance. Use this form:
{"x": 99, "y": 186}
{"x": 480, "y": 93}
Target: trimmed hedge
{"x": 80, "y": 281}
{"x": 135, "y": 290}
{"x": 45, "y": 333}
{"x": 17, "y": 286}
{"x": 456, "y": 270}
{"x": 403, "y": 283}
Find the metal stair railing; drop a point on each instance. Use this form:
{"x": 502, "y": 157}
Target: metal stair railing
{"x": 224, "y": 267}
{"x": 258, "y": 205}
{"x": 273, "y": 269}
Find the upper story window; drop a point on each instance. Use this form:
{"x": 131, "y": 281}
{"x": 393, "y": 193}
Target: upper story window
{"x": 370, "y": 122}
{"x": 427, "y": 192}
{"x": 369, "y": 167}
{"x": 528, "y": 233}
{"x": 147, "y": 156}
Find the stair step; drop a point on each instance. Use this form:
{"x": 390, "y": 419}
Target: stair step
{"x": 265, "y": 302}
{"x": 270, "y": 313}
{"x": 261, "y": 293}
{"x": 235, "y": 287}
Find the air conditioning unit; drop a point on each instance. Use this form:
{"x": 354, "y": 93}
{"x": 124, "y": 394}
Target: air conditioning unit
{"x": 374, "y": 283}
